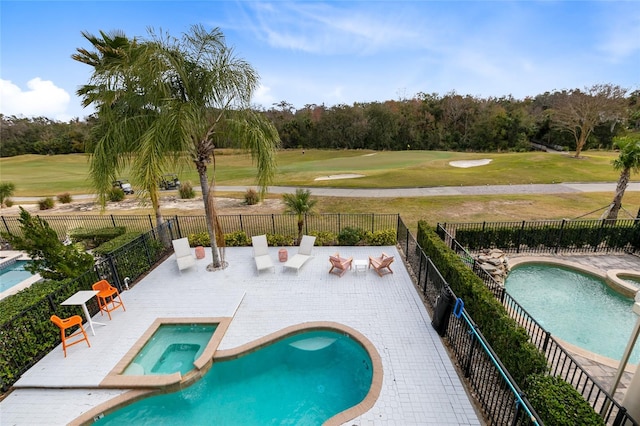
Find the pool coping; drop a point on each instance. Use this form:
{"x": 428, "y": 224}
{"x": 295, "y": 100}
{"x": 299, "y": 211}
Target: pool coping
{"x": 610, "y": 277}
{"x": 145, "y": 386}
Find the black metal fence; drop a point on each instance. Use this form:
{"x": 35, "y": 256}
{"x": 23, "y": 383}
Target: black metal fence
{"x": 29, "y": 336}
{"x": 586, "y": 236}
{"x": 284, "y": 224}
{"x": 560, "y": 362}
{"x": 499, "y": 396}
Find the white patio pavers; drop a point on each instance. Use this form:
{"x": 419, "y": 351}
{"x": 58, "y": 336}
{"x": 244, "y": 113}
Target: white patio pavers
{"x": 420, "y": 384}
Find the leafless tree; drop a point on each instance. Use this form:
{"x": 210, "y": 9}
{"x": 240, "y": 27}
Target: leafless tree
{"x": 579, "y": 112}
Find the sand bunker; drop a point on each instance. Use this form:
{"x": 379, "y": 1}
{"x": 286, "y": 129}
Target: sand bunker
{"x": 470, "y": 163}
{"x": 344, "y": 176}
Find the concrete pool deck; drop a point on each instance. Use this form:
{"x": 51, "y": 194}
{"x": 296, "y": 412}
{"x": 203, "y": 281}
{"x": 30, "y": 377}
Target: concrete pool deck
{"x": 420, "y": 385}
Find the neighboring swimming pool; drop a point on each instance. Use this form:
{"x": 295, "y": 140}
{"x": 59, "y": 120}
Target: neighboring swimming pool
{"x": 576, "y": 307}
{"x": 303, "y": 379}
{"x": 13, "y": 274}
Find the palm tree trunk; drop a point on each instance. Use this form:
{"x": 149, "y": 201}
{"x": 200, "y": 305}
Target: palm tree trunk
{"x": 616, "y": 204}
{"x": 207, "y": 195}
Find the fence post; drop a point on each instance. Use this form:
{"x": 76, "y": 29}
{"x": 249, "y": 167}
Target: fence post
{"x": 472, "y": 348}
{"x": 547, "y": 336}
{"x": 241, "y": 224}
{"x": 559, "y": 237}
{"x": 273, "y": 223}
{"x": 9, "y": 232}
{"x": 178, "y": 227}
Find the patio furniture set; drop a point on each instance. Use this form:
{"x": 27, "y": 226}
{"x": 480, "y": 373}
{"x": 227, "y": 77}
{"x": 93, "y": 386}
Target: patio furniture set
{"x": 108, "y": 300}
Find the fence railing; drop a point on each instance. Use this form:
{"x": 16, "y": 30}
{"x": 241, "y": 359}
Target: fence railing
{"x": 561, "y": 363}
{"x": 284, "y": 224}
{"x": 586, "y": 236}
{"x": 29, "y": 336}
{"x": 499, "y": 396}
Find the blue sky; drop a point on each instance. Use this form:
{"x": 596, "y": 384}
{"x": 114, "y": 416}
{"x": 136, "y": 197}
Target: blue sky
{"x": 337, "y": 52}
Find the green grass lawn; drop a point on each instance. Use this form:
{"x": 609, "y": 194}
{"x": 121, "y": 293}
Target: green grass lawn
{"x": 35, "y": 175}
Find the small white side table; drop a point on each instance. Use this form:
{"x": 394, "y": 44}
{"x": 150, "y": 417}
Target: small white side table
{"x": 360, "y": 265}
{"x": 81, "y": 298}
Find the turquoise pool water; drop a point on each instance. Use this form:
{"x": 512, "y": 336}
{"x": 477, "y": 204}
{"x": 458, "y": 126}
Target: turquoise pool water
{"x": 576, "y": 307}
{"x": 172, "y": 348}
{"x": 13, "y": 274}
{"x": 301, "y": 380}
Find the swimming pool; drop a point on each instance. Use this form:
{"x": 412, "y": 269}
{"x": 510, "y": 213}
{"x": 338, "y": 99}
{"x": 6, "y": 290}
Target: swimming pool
{"x": 172, "y": 348}
{"x": 303, "y": 379}
{"x": 13, "y": 274}
{"x": 576, "y": 307}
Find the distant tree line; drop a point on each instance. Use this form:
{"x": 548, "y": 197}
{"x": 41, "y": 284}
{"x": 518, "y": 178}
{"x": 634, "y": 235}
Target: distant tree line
{"x": 452, "y": 122}
{"x": 40, "y": 135}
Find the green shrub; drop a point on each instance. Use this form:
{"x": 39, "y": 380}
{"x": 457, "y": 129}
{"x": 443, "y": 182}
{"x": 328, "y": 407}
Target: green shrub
{"x": 278, "y": 240}
{"x": 46, "y": 203}
{"x": 115, "y": 195}
{"x": 64, "y": 198}
{"x": 6, "y": 190}
{"x": 386, "y": 237}
{"x": 115, "y": 243}
{"x": 237, "y": 239}
{"x": 49, "y": 257}
{"x": 350, "y": 236}
{"x": 251, "y": 197}
{"x": 324, "y": 238}
{"x": 92, "y": 238}
{"x": 186, "y": 191}
{"x": 559, "y": 404}
{"x": 199, "y": 239}
{"x": 8, "y": 202}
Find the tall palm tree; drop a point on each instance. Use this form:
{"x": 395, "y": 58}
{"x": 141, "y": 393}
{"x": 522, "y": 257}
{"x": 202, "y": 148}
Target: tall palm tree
{"x": 179, "y": 99}
{"x": 299, "y": 204}
{"x": 627, "y": 161}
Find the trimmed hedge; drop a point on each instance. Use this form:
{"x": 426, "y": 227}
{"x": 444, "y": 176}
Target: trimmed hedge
{"x": 567, "y": 234}
{"x": 559, "y": 404}
{"x": 506, "y": 337}
{"x": 92, "y": 238}
{"x": 115, "y": 243}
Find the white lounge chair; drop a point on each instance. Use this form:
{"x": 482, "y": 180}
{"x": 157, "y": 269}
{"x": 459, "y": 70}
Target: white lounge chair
{"x": 261, "y": 253}
{"x": 184, "y": 256}
{"x": 304, "y": 253}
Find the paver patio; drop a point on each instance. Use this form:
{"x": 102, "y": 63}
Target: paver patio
{"x": 420, "y": 385}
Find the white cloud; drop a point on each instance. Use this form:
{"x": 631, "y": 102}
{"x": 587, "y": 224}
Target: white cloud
{"x": 42, "y": 99}
{"x": 263, "y": 96}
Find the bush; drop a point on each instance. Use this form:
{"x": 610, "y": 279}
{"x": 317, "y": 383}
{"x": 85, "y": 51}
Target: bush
{"x": 64, "y": 198}
{"x": 278, "y": 240}
{"x": 115, "y": 243}
{"x": 186, "y": 191}
{"x": 324, "y": 238}
{"x": 386, "y": 237}
{"x": 350, "y": 236}
{"x": 49, "y": 257}
{"x": 46, "y": 203}
{"x": 115, "y": 195}
{"x": 94, "y": 237}
{"x": 559, "y": 404}
{"x": 251, "y": 197}
{"x": 199, "y": 239}
{"x": 237, "y": 239}
{"x": 8, "y": 202}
